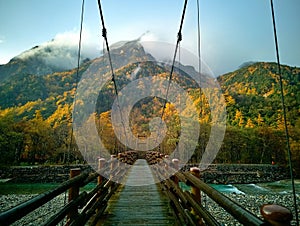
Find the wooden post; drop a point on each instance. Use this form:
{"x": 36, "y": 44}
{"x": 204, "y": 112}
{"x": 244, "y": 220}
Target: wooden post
{"x": 73, "y": 193}
{"x": 101, "y": 164}
{"x": 176, "y": 167}
{"x": 167, "y": 161}
{"x": 112, "y": 165}
{"x": 175, "y": 163}
{"x": 276, "y": 215}
{"x": 196, "y": 191}
{"x": 120, "y": 158}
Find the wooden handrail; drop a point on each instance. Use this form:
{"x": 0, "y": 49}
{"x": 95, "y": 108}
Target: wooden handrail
{"x": 188, "y": 207}
{"x": 56, "y": 218}
{"x": 201, "y": 211}
{"x": 238, "y": 212}
{"x": 193, "y": 200}
{"x": 12, "y": 215}
{"x": 87, "y": 200}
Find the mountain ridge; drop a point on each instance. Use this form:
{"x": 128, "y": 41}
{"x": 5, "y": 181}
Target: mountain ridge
{"x": 43, "y": 59}
{"x": 35, "y": 106}
{"x": 255, "y": 80}
{"x": 256, "y": 90}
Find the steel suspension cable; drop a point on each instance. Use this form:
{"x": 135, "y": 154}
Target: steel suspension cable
{"x": 80, "y": 42}
{"x": 284, "y": 113}
{"x": 77, "y": 71}
{"x": 179, "y": 39}
{"x": 104, "y": 35}
{"x": 199, "y": 58}
{"x": 199, "y": 37}
{"x": 76, "y": 83}
{"x": 200, "y": 88}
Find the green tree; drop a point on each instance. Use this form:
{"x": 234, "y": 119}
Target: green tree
{"x": 11, "y": 140}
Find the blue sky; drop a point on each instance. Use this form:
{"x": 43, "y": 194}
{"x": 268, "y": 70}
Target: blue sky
{"x": 232, "y": 31}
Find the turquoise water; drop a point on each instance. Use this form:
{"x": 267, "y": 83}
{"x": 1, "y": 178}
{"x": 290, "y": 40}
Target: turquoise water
{"x": 282, "y": 187}
{"x": 224, "y": 188}
{"x": 227, "y": 188}
{"x": 12, "y": 188}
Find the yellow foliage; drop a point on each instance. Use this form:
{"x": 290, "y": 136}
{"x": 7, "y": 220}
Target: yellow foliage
{"x": 259, "y": 120}
{"x": 249, "y": 124}
{"x": 252, "y": 69}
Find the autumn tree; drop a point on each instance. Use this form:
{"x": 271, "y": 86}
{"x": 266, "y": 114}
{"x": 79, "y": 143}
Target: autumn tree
{"x": 38, "y": 139}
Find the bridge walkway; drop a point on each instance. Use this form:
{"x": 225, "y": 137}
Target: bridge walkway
{"x": 139, "y": 201}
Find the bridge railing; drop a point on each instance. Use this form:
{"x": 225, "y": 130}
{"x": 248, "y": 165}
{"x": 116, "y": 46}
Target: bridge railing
{"x": 188, "y": 206}
{"x": 82, "y": 206}
{"x": 89, "y": 206}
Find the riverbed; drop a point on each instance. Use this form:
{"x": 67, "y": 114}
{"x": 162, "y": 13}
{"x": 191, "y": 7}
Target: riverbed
{"x": 250, "y": 196}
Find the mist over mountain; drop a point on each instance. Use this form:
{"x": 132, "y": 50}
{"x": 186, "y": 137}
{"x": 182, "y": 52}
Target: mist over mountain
{"x": 57, "y": 55}
{"x": 50, "y": 69}
{"x": 245, "y": 64}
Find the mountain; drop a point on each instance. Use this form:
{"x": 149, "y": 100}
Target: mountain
{"x": 36, "y": 103}
{"x": 41, "y": 60}
{"x": 253, "y": 92}
{"x": 32, "y": 76}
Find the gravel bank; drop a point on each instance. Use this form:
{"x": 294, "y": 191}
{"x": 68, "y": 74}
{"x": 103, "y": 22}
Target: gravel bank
{"x": 37, "y": 217}
{"x": 250, "y": 202}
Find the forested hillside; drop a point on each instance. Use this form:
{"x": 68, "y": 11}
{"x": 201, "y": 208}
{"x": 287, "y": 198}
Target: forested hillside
{"x": 36, "y": 111}
{"x": 254, "y": 111}
{"x": 253, "y": 94}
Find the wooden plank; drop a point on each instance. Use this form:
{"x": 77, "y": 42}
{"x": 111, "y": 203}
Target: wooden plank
{"x": 138, "y": 205}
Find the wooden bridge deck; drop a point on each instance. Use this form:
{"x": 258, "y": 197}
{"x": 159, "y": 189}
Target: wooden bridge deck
{"x": 138, "y": 205}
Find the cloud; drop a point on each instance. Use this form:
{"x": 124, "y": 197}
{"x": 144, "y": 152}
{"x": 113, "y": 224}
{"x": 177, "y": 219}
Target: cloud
{"x": 164, "y": 52}
{"x": 62, "y": 50}
{"x": 148, "y": 37}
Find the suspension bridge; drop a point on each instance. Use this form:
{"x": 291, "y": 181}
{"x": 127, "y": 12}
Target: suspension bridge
{"x": 138, "y": 190}
{"x": 144, "y": 189}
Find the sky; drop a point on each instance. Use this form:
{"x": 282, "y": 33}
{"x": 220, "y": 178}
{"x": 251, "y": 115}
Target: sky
{"x": 232, "y": 31}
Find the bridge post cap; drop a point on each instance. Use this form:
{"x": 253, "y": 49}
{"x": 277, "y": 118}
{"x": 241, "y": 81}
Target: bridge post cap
{"x": 175, "y": 160}
{"x": 101, "y": 163}
{"x": 195, "y": 170}
{"x": 74, "y": 172}
{"x": 276, "y": 213}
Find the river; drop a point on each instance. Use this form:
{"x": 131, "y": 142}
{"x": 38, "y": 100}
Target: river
{"x": 280, "y": 187}
{"x": 251, "y": 196}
